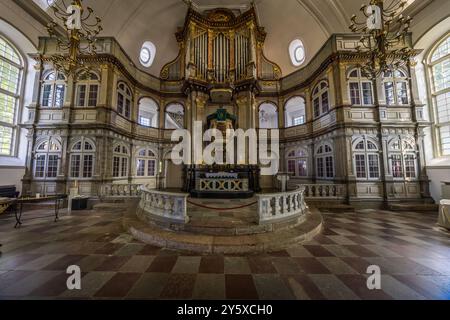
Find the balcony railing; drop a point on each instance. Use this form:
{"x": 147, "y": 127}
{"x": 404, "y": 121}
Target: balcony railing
{"x": 162, "y": 204}
{"x": 273, "y": 207}
{"x": 111, "y": 190}
{"x": 325, "y": 191}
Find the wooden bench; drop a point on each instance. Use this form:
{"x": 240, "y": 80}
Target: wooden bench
{"x": 9, "y": 192}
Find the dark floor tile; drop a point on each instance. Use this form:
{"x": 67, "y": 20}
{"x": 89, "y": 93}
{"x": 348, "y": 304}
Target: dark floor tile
{"x": 64, "y": 262}
{"x": 361, "y": 251}
{"x": 149, "y": 250}
{"x": 52, "y": 288}
{"x": 261, "y": 265}
{"x": 109, "y": 248}
{"x": 240, "y": 287}
{"x": 358, "y": 284}
{"x": 311, "y": 266}
{"x": 318, "y": 251}
{"x": 179, "y": 286}
{"x": 212, "y": 264}
{"x": 112, "y": 263}
{"x": 163, "y": 264}
{"x": 303, "y": 287}
{"x": 119, "y": 285}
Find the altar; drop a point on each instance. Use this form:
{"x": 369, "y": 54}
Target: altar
{"x": 222, "y": 182}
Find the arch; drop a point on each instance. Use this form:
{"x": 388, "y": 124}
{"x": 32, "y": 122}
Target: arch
{"x": 146, "y": 162}
{"x": 268, "y": 115}
{"x": 174, "y": 116}
{"x": 148, "y": 115}
{"x": 360, "y": 88}
{"x": 295, "y": 111}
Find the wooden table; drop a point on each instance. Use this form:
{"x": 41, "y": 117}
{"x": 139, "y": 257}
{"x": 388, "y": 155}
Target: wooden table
{"x": 18, "y": 203}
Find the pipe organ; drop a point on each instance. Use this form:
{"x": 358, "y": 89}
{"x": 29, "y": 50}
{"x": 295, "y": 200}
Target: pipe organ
{"x": 221, "y": 48}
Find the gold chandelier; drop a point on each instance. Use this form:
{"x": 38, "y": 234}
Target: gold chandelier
{"x": 383, "y": 36}
{"x": 81, "y": 30}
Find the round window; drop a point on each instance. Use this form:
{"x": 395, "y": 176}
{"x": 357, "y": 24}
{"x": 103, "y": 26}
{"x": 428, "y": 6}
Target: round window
{"x": 297, "y": 52}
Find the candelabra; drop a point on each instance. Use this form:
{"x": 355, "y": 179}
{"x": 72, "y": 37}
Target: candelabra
{"x": 383, "y": 36}
{"x": 81, "y": 30}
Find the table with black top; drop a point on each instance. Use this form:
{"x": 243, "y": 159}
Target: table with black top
{"x": 18, "y": 203}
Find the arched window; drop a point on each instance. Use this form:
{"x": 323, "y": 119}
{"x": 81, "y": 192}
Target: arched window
{"x": 174, "y": 116}
{"x": 47, "y": 158}
{"x": 268, "y": 116}
{"x": 148, "y": 113}
{"x": 53, "y": 90}
{"x": 325, "y": 161}
{"x": 320, "y": 99}
{"x": 360, "y": 87}
{"x": 403, "y": 159}
{"x": 439, "y": 64}
{"x": 297, "y": 162}
{"x": 87, "y": 90}
{"x": 366, "y": 159}
{"x": 124, "y": 99}
{"x": 146, "y": 163}
{"x": 396, "y": 88}
{"x": 11, "y": 69}
{"x": 82, "y": 155}
{"x": 295, "y": 112}
{"x": 120, "y": 161}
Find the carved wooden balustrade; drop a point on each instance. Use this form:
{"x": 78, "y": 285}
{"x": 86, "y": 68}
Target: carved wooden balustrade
{"x": 279, "y": 206}
{"x": 324, "y": 191}
{"x": 111, "y": 190}
{"x": 163, "y": 204}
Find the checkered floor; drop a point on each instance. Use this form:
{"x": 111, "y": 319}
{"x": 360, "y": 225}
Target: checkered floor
{"x": 414, "y": 259}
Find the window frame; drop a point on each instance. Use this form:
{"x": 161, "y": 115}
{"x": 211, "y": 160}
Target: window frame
{"x": 359, "y": 80}
{"x": 88, "y": 83}
{"x": 149, "y": 157}
{"x": 325, "y": 152}
{"x": 127, "y": 100}
{"x": 46, "y": 152}
{"x": 400, "y": 154}
{"x": 123, "y": 157}
{"x": 366, "y": 153}
{"x": 395, "y": 79}
{"x": 53, "y": 84}
{"x": 297, "y": 155}
{"x": 82, "y": 153}
{"x": 317, "y": 98}
{"x": 438, "y": 127}
{"x": 16, "y": 96}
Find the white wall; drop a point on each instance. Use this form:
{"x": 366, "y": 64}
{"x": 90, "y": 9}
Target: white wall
{"x": 13, "y": 19}
{"x": 438, "y": 169}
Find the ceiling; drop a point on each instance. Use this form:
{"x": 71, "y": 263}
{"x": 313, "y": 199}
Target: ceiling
{"x": 133, "y": 22}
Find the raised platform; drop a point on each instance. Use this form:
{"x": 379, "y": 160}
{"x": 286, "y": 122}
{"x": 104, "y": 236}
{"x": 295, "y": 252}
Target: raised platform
{"x": 210, "y": 231}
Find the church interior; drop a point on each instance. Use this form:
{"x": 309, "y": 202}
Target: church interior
{"x": 225, "y": 149}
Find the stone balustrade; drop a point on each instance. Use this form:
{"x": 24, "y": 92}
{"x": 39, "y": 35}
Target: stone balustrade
{"x": 111, "y": 190}
{"x": 325, "y": 191}
{"x": 162, "y": 204}
{"x": 279, "y": 206}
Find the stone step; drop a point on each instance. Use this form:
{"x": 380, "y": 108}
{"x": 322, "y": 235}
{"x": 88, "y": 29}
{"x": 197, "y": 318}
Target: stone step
{"x": 111, "y": 206}
{"x": 333, "y": 207}
{"x": 414, "y": 207}
{"x": 221, "y": 244}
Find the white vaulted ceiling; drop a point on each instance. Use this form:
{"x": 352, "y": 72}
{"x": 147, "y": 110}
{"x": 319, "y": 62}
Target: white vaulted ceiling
{"x": 132, "y": 22}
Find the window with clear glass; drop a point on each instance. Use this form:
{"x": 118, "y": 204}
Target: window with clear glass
{"x": 11, "y": 69}
{"x": 325, "y": 162}
{"x": 439, "y": 63}
{"x": 120, "y": 161}
{"x": 82, "y": 159}
{"x": 294, "y": 112}
{"x": 124, "y": 98}
{"x": 53, "y": 90}
{"x": 366, "y": 159}
{"x": 87, "y": 90}
{"x": 360, "y": 89}
{"x": 146, "y": 163}
{"x": 297, "y": 162}
{"x": 403, "y": 159}
{"x": 396, "y": 88}
{"x": 47, "y": 159}
{"x": 320, "y": 98}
